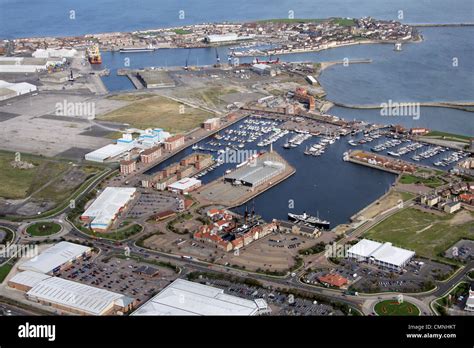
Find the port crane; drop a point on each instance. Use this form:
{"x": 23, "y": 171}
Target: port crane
{"x": 187, "y": 60}
{"x": 218, "y": 59}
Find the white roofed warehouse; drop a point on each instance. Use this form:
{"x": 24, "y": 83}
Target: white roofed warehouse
{"x": 184, "y": 185}
{"x": 105, "y": 209}
{"x": 183, "y": 297}
{"x": 69, "y": 296}
{"x": 223, "y": 38}
{"x": 56, "y": 258}
{"x": 384, "y": 255}
{"x": 255, "y": 173}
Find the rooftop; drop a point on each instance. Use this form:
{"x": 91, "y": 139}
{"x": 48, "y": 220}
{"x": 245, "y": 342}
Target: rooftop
{"x": 91, "y": 300}
{"x": 54, "y": 257}
{"x": 385, "y": 252}
{"x": 104, "y": 209}
{"x": 183, "y": 297}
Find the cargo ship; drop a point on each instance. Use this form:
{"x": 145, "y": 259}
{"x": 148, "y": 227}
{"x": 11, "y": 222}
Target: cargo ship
{"x": 311, "y": 220}
{"x": 93, "y": 54}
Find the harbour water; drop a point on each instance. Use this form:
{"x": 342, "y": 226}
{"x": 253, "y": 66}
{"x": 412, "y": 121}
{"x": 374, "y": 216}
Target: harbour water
{"x": 442, "y": 119}
{"x": 326, "y": 185}
{"x": 421, "y": 72}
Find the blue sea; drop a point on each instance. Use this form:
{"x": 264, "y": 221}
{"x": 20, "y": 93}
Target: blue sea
{"x": 25, "y": 18}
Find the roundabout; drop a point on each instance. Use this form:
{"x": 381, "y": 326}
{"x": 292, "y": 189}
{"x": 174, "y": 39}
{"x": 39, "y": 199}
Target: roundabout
{"x": 43, "y": 228}
{"x": 395, "y": 308}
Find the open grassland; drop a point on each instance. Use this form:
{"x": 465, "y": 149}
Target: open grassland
{"x": 19, "y": 183}
{"x": 212, "y": 96}
{"x": 448, "y": 136}
{"x": 52, "y": 181}
{"x": 432, "y": 182}
{"x": 155, "y": 111}
{"x": 426, "y": 233}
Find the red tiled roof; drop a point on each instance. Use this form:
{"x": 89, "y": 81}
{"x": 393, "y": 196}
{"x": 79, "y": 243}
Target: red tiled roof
{"x": 333, "y": 279}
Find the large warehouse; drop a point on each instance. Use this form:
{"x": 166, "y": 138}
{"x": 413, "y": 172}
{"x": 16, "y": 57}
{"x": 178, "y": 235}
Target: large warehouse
{"x": 103, "y": 211}
{"x": 183, "y": 297}
{"x": 184, "y": 185}
{"x": 255, "y": 175}
{"x": 69, "y": 296}
{"x": 25, "y": 64}
{"x": 124, "y": 144}
{"x": 10, "y": 90}
{"x": 222, "y": 38}
{"x": 56, "y": 257}
{"x": 385, "y": 255}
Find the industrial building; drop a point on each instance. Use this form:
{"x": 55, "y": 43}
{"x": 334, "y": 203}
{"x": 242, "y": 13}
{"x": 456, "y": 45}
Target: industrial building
{"x": 384, "y": 255}
{"x": 298, "y": 229}
{"x": 311, "y": 80}
{"x": 263, "y": 69}
{"x": 124, "y": 144}
{"x": 25, "y": 64}
{"x": 68, "y": 296}
{"x": 55, "y": 258}
{"x": 10, "y": 90}
{"x": 223, "y": 38}
{"x": 147, "y": 139}
{"x": 255, "y": 174}
{"x": 156, "y": 79}
{"x": 103, "y": 211}
{"x": 183, "y": 297}
{"x": 184, "y": 186}
{"x": 152, "y": 137}
{"x": 54, "y": 53}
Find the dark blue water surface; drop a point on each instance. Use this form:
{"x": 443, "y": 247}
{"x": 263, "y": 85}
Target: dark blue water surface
{"x": 325, "y": 184}
{"x": 443, "y": 119}
{"x": 24, "y": 18}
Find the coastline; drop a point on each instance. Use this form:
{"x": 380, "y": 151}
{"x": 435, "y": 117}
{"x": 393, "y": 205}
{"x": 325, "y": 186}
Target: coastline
{"x": 467, "y": 106}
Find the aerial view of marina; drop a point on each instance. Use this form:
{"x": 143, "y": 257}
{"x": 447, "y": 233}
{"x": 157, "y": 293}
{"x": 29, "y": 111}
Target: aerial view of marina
{"x": 312, "y": 159}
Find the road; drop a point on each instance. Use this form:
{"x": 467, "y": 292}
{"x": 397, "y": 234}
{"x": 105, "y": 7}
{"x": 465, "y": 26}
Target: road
{"x": 363, "y": 303}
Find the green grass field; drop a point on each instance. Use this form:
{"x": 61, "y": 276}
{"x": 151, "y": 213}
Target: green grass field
{"x": 392, "y": 307}
{"x": 448, "y": 136}
{"x": 5, "y": 269}
{"x": 182, "y": 31}
{"x": 426, "y": 233}
{"x": 432, "y": 182}
{"x": 157, "y": 111}
{"x": 20, "y": 183}
{"x": 44, "y": 228}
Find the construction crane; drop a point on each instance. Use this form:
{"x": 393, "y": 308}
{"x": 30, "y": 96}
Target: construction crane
{"x": 218, "y": 59}
{"x": 187, "y": 59}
